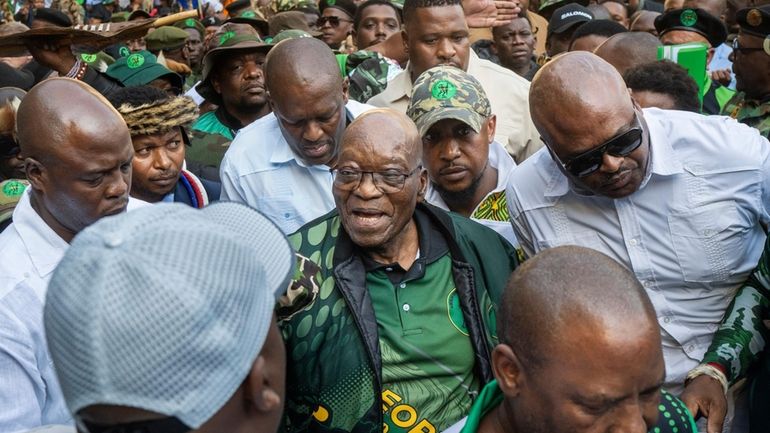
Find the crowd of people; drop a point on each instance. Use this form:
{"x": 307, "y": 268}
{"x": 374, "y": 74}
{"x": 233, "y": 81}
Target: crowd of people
{"x": 415, "y": 216}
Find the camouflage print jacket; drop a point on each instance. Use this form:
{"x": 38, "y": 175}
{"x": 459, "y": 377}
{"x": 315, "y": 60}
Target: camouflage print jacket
{"x": 742, "y": 337}
{"x": 752, "y": 113}
{"x": 333, "y": 380}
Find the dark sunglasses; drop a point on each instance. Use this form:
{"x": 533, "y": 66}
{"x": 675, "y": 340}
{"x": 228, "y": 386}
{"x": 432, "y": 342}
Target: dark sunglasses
{"x": 333, "y": 21}
{"x": 8, "y": 147}
{"x": 620, "y": 145}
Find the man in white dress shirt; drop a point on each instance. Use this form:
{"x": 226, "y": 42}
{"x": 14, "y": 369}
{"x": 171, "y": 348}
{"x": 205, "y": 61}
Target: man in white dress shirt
{"x": 280, "y": 163}
{"x": 678, "y": 198}
{"x": 78, "y": 154}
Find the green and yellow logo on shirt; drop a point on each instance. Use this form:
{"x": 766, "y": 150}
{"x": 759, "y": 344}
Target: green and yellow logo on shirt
{"x": 455, "y": 312}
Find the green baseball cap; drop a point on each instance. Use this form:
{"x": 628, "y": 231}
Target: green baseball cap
{"x": 140, "y": 69}
{"x": 290, "y": 34}
{"x": 166, "y": 38}
{"x": 191, "y": 23}
{"x": 446, "y": 92}
{"x": 10, "y": 193}
{"x": 229, "y": 37}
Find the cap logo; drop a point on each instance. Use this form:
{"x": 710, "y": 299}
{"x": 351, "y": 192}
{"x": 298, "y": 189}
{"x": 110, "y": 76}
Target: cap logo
{"x": 88, "y": 58}
{"x": 443, "y": 89}
{"x": 754, "y": 18}
{"x": 13, "y": 188}
{"x": 331, "y": 2}
{"x": 248, "y": 14}
{"x": 134, "y": 61}
{"x": 124, "y": 52}
{"x": 688, "y": 18}
{"x": 189, "y": 22}
{"x": 226, "y": 36}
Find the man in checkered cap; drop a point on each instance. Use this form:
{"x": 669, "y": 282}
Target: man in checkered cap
{"x": 156, "y": 326}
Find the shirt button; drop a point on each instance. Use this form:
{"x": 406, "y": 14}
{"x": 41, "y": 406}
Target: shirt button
{"x": 389, "y": 269}
{"x": 708, "y": 232}
{"x": 666, "y": 319}
{"x": 406, "y": 307}
{"x": 402, "y": 285}
{"x": 633, "y": 242}
{"x": 689, "y": 348}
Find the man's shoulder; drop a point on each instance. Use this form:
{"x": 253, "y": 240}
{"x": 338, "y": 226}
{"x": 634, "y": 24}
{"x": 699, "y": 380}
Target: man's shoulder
{"x": 530, "y": 179}
{"x": 400, "y": 87}
{"x": 357, "y": 108}
{"x": 16, "y": 261}
{"x": 494, "y": 74}
{"x": 262, "y": 134}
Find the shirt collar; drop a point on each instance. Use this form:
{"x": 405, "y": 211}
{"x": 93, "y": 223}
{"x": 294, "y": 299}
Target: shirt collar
{"x": 44, "y": 246}
{"x": 663, "y": 160}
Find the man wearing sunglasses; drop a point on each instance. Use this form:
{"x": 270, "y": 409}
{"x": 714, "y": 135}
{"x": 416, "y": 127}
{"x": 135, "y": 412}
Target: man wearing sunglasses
{"x": 751, "y": 63}
{"x": 394, "y": 330}
{"x": 336, "y": 21}
{"x": 677, "y": 197}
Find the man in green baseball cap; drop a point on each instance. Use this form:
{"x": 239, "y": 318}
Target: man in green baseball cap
{"x": 468, "y": 169}
{"x": 232, "y": 78}
{"x": 171, "y": 42}
{"x": 241, "y": 12}
{"x": 142, "y": 68}
{"x": 196, "y": 34}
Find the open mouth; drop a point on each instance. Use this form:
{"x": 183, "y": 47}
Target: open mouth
{"x": 367, "y": 217}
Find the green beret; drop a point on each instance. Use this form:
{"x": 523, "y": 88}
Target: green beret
{"x": 693, "y": 20}
{"x": 140, "y": 69}
{"x": 755, "y": 21}
{"x": 192, "y": 23}
{"x": 166, "y": 38}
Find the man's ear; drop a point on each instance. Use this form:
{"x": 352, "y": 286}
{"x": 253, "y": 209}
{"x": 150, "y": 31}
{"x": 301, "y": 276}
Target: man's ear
{"x": 405, "y": 40}
{"x": 36, "y": 174}
{"x": 423, "y": 185}
{"x": 216, "y": 84}
{"x": 709, "y": 56}
{"x": 508, "y": 370}
{"x": 260, "y": 392}
{"x": 493, "y": 48}
{"x": 491, "y": 127}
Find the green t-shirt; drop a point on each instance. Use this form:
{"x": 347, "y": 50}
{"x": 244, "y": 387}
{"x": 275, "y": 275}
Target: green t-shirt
{"x": 427, "y": 357}
{"x": 673, "y": 414}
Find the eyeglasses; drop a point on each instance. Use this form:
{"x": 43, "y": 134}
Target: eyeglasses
{"x": 743, "y": 50}
{"x": 620, "y": 145}
{"x": 333, "y": 21}
{"x": 8, "y": 147}
{"x": 388, "y": 182}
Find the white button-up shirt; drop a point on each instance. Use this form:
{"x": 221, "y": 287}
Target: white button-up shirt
{"x": 492, "y": 210}
{"x": 260, "y": 170}
{"x": 29, "y": 392}
{"x": 691, "y": 234}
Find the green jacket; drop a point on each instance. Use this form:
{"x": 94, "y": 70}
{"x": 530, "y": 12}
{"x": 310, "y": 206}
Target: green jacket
{"x": 333, "y": 378}
{"x": 751, "y": 112}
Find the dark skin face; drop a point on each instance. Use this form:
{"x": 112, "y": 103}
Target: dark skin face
{"x": 645, "y": 22}
{"x": 333, "y": 36}
{"x": 194, "y": 47}
{"x": 436, "y": 36}
{"x": 587, "y": 43}
{"x": 377, "y": 23}
{"x": 312, "y": 20}
{"x": 514, "y": 44}
{"x": 618, "y": 12}
{"x": 457, "y": 159}
{"x": 311, "y": 117}
{"x": 257, "y": 405}
{"x": 240, "y": 80}
{"x": 84, "y": 178}
{"x": 604, "y": 381}
{"x": 165, "y": 85}
{"x": 752, "y": 69}
{"x": 558, "y": 43}
{"x": 379, "y": 223}
{"x": 158, "y": 159}
{"x": 12, "y": 167}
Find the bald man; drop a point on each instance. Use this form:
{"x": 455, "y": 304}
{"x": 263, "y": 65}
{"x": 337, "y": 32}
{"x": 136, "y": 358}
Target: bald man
{"x": 399, "y": 334}
{"x": 678, "y": 198}
{"x": 644, "y": 21}
{"x": 579, "y": 352}
{"x": 280, "y": 164}
{"x": 78, "y": 162}
{"x": 629, "y": 50}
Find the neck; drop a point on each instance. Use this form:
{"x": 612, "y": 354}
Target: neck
{"x": 465, "y": 202}
{"x": 497, "y": 421}
{"x": 245, "y": 117}
{"x": 522, "y": 69}
{"x": 402, "y": 249}
{"x": 148, "y": 197}
{"x": 50, "y": 219}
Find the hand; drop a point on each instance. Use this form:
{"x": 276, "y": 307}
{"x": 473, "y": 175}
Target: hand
{"x": 704, "y": 397}
{"x": 722, "y": 76}
{"x": 490, "y": 13}
{"x": 56, "y": 55}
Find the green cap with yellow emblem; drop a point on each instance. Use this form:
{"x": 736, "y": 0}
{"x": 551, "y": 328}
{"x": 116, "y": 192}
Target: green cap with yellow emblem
{"x": 693, "y": 20}
{"x": 446, "y": 92}
{"x": 755, "y": 21}
{"x": 141, "y": 68}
